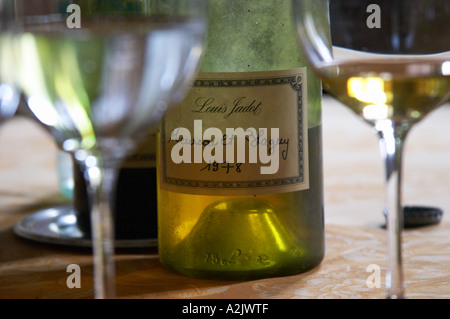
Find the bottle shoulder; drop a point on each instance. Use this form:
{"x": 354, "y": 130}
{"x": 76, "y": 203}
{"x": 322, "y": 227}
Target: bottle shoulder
{"x": 251, "y": 36}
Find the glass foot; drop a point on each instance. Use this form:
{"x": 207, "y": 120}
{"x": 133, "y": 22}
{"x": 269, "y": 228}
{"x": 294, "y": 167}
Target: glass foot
{"x": 58, "y": 225}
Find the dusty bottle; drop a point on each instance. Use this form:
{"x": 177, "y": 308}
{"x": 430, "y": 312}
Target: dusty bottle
{"x": 240, "y": 186}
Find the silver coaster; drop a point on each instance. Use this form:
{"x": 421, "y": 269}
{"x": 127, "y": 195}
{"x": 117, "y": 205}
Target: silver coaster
{"x": 58, "y": 225}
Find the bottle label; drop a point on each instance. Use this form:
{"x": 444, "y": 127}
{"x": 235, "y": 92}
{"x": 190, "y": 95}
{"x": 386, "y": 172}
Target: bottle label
{"x": 242, "y": 133}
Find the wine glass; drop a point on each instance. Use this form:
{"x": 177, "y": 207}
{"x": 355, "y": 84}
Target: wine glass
{"x": 9, "y": 101}
{"x": 101, "y": 74}
{"x": 389, "y": 62}
{"x": 9, "y": 95}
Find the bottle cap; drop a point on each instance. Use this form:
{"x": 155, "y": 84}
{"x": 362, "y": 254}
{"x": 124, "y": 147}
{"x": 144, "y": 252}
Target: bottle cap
{"x": 417, "y": 216}
{"x": 414, "y": 216}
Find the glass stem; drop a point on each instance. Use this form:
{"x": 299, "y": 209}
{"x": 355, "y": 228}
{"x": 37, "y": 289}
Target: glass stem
{"x": 101, "y": 178}
{"x": 391, "y": 140}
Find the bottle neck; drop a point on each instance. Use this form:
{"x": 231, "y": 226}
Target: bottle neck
{"x": 251, "y": 35}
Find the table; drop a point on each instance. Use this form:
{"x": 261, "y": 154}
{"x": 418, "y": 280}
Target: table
{"x": 355, "y": 237}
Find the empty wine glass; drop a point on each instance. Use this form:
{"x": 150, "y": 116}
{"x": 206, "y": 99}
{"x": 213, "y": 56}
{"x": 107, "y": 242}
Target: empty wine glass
{"x": 389, "y": 62}
{"x": 101, "y": 74}
{"x": 9, "y": 101}
{"x": 9, "y": 95}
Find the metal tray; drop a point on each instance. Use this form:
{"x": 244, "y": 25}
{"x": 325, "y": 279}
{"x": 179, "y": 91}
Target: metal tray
{"x": 58, "y": 225}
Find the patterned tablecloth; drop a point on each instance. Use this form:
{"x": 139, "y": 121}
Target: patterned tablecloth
{"x": 355, "y": 261}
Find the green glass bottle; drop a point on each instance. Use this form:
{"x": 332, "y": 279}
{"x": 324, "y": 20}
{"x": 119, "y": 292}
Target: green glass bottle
{"x": 244, "y": 204}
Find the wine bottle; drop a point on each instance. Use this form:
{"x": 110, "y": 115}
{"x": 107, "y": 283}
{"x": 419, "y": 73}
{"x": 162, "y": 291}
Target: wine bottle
{"x": 240, "y": 186}
{"x": 135, "y": 210}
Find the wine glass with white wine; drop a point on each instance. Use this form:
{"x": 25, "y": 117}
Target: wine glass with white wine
{"x": 101, "y": 74}
{"x": 389, "y": 63}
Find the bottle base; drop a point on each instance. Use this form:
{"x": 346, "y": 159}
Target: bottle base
{"x": 241, "y": 239}
{"x": 245, "y": 275}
